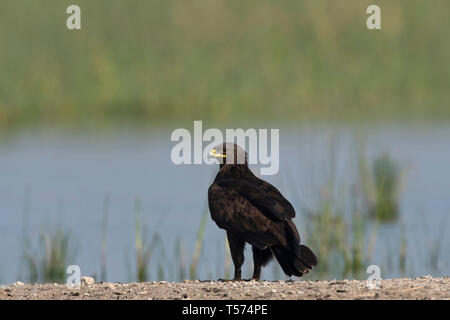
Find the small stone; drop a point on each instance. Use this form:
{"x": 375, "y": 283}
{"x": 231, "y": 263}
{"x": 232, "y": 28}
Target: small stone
{"x": 111, "y": 286}
{"x": 87, "y": 280}
{"x": 18, "y": 284}
{"x": 75, "y": 294}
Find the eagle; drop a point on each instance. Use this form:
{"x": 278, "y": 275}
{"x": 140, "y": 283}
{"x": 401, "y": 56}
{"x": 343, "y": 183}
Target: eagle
{"x": 253, "y": 211}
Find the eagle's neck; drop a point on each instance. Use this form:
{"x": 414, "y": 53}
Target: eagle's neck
{"x": 234, "y": 171}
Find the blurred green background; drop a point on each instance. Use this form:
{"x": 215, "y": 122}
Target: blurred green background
{"x": 149, "y": 61}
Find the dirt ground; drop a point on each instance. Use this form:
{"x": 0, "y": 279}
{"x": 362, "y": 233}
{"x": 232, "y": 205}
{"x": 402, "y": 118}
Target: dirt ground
{"x": 418, "y": 288}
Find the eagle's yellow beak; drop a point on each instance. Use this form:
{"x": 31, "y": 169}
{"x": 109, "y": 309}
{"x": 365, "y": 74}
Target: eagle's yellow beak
{"x": 217, "y": 155}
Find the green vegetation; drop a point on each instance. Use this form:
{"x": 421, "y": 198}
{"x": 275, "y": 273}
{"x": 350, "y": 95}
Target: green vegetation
{"x": 180, "y": 259}
{"x": 222, "y": 60}
{"x": 386, "y": 176}
{"x": 46, "y": 258}
{"x": 199, "y": 244}
{"x": 343, "y": 224}
{"x": 338, "y": 238}
{"x": 48, "y": 262}
{"x": 381, "y": 186}
{"x": 143, "y": 248}
{"x": 104, "y": 238}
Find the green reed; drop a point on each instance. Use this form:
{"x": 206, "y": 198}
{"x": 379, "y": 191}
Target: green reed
{"x": 198, "y": 244}
{"x": 167, "y": 60}
{"x": 47, "y": 260}
{"x": 143, "y": 248}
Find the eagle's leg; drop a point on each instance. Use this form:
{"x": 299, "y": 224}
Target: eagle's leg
{"x": 237, "y": 253}
{"x": 260, "y": 258}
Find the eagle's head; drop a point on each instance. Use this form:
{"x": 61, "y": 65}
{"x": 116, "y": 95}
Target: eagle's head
{"x": 229, "y": 154}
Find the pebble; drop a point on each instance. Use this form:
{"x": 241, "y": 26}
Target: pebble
{"x": 18, "y": 284}
{"x": 87, "y": 280}
{"x": 111, "y": 286}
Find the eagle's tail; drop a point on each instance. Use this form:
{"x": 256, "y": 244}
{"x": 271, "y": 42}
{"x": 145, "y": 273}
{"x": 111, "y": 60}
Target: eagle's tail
{"x": 295, "y": 261}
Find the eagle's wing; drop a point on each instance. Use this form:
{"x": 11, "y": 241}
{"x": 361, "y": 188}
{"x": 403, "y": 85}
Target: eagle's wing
{"x": 263, "y": 196}
{"x": 258, "y": 213}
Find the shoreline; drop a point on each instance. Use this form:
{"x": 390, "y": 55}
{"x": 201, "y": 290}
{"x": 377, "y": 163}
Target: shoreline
{"x": 422, "y": 288}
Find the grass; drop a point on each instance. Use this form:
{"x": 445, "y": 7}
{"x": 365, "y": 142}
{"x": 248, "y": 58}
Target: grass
{"x": 149, "y": 61}
{"x": 46, "y": 258}
{"x": 198, "y": 244}
{"x": 103, "y": 268}
{"x": 48, "y": 262}
{"x": 180, "y": 259}
{"x": 339, "y": 242}
{"x": 386, "y": 177}
{"x": 343, "y": 224}
{"x": 143, "y": 248}
{"x": 381, "y": 184}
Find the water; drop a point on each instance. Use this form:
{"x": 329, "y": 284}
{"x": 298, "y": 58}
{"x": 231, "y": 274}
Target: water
{"x": 68, "y": 174}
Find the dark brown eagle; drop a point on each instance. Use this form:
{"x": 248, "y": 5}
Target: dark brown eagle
{"x": 252, "y": 210}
